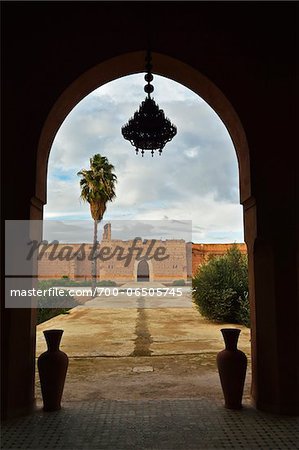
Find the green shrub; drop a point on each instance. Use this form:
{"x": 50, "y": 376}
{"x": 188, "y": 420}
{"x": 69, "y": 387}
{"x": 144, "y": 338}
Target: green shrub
{"x": 54, "y": 282}
{"x": 46, "y": 306}
{"x": 44, "y": 314}
{"x": 179, "y": 283}
{"x": 220, "y": 288}
{"x": 243, "y": 315}
{"x": 66, "y": 282}
{"x": 106, "y": 283}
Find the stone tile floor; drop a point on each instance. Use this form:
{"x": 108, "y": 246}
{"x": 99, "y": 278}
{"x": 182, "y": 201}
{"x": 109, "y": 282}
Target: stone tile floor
{"x": 180, "y": 424}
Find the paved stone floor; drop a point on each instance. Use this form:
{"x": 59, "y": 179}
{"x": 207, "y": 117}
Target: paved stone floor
{"x": 181, "y": 424}
{"x": 108, "y": 405}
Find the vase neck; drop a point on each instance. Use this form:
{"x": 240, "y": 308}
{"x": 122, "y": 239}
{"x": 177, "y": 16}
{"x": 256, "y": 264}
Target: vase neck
{"x": 230, "y": 336}
{"x": 53, "y": 338}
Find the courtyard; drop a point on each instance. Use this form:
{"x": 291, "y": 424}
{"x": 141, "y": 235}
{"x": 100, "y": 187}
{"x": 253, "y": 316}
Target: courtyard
{"x": 142, "y": 375}
{"x": 148, "y": 347}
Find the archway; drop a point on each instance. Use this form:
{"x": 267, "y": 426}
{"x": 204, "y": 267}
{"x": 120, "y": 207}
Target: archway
{"x": 133, "y": 63}
{"x": 143, "y": 271}
{"x": 261, "y": 91}
{"x": 186, "y": 75}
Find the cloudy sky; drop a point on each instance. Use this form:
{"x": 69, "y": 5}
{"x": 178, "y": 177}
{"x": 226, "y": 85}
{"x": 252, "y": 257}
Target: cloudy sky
{"x": 195, "y": 179}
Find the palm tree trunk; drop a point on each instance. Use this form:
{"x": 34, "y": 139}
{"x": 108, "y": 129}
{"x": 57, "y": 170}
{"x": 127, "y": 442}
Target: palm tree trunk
{"x": 94, "y": 259}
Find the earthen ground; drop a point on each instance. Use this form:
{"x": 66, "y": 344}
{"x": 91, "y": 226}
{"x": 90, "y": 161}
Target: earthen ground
{"x": 140, "y": 351}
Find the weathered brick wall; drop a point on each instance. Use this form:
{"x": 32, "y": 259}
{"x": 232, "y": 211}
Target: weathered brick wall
{"x": 183, "y": 259}
{"x": 203, "y": 252}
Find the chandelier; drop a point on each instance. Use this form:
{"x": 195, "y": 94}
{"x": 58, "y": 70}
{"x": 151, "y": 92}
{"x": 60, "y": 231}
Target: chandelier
{"x": 149, "y": 129}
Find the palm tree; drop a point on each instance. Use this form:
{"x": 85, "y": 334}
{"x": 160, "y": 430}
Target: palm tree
{"x": 97, "y": 188}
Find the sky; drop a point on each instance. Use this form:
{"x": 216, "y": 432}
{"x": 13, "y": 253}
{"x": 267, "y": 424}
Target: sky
{"x": 195, "y": 179}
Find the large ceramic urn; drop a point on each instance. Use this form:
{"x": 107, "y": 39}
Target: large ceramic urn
{"x": 232, "y": 364}
{"x": 52, "y": 367}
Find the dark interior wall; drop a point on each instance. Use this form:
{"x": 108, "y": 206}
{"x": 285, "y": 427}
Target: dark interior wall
{"x": 247, "y": 49}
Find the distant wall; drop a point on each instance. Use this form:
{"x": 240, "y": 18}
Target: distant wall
{"x": 183, "y": 260}
{"x": 203, "y": 252}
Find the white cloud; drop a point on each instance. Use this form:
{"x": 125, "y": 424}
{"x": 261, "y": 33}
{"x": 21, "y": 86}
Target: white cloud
{"x": 191, "y": 152}
{"x": 196, "y": 178}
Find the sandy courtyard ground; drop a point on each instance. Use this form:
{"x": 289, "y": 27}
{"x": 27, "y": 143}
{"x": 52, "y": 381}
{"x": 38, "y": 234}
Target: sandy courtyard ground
{"x": 123, "y": 347}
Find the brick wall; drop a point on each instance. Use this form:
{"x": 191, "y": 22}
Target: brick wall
{"x": 203, "y": 252}
{"x": 183, "y": 259}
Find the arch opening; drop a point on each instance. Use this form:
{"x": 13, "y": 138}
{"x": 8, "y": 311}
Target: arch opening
{"x": 130, "y": 64}
{"x": 143, "y": 274}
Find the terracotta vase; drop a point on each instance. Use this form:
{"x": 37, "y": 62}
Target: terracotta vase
{"x": 232, "y": 364}
{"x": 52, "y": 367}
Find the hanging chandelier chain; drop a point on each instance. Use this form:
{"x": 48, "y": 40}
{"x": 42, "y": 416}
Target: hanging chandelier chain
{"x": 148, "y": 88}
{"x": 149, "y": 129}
